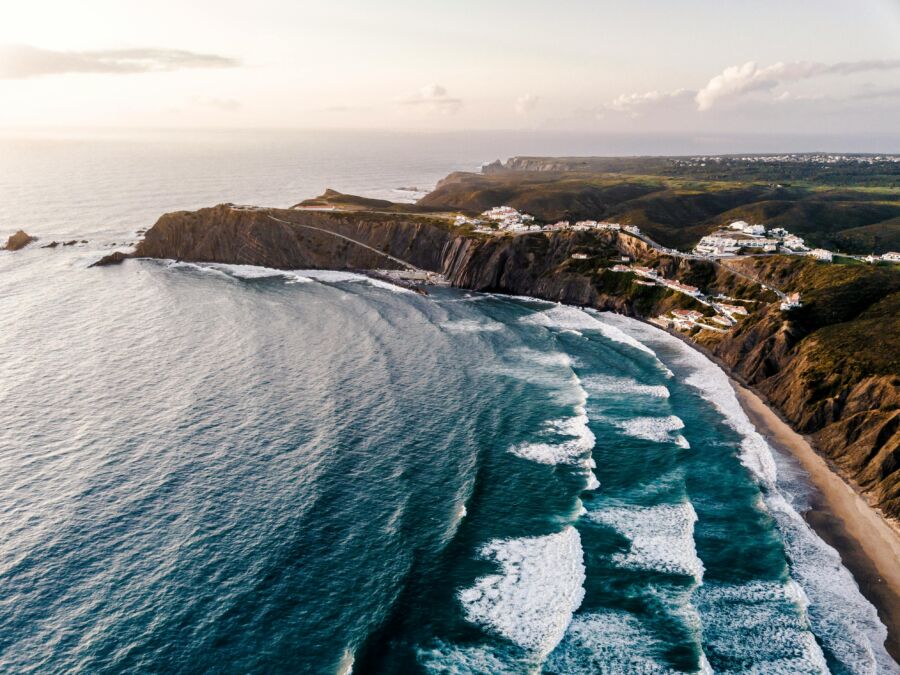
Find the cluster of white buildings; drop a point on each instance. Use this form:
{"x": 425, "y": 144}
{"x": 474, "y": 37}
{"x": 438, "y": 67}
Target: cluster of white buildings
{"x": 508, "y": 219}
{"x": 686, "y": 319}
{"x": 892, "y": 257}
{"x": 653, "y": 276}
{"x": 726, "y": 316}
{"x": 504, "y": 218}
{"x": 741, "y": 235}
{"x": 791, "y": 158}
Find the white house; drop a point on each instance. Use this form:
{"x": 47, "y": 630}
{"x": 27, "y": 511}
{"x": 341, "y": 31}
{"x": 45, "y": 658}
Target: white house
{"x": 790, "y": 301}
{"x": 794, "y": 243}
{"x": 820, "y": 254}
{"x": 893, "y": 256}
{"x": 747, "y": 228}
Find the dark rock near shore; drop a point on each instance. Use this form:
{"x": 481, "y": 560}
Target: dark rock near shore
{"x": 19, "y": 240}
{"x": 114, "y": 258}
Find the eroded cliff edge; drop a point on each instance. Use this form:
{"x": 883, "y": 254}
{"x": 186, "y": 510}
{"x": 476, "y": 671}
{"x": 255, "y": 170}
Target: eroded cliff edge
{"x": 830, "y": 368}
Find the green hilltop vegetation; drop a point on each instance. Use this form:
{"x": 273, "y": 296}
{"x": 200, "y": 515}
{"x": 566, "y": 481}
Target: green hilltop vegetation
{"x": 853, "y": 208}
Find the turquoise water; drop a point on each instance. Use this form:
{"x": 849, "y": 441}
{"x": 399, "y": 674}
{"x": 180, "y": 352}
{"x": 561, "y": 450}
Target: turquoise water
{"x": 232, "y": 469}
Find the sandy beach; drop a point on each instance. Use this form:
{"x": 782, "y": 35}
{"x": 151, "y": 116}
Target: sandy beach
{"x": 868, "y": 544}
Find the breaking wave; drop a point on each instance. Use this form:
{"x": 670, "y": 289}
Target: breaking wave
{"x": 661, "y": 537}
{"x": 565, "y": 317}
{"x": 844, "y": 621}
{"x": 659, "y": 429}
{"x": 610, "y": 643}
{"x": 532, "y": 599}
{"x": 610, "y": 384}
{"x": 471, "y": 326}
{"x": 758, "y": 627}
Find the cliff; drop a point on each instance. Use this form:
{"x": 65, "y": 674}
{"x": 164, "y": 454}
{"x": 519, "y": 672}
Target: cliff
{"x": 292, "y": 239}
{"x": 830, "y": 368}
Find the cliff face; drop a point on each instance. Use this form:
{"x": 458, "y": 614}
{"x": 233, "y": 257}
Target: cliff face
{"x": 830, "y": 368}
{"x": 290, "y": 239}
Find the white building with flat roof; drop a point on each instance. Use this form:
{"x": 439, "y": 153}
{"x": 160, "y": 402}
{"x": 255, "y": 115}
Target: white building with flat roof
{"x": 821, "y": 254}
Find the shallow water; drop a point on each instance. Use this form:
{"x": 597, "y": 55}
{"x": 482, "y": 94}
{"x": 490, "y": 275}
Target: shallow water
{"x": 222, "y": 468}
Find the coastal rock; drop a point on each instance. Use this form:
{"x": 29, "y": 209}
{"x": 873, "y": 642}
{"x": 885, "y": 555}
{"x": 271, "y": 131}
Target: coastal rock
{"x": 114, "y": 258}
{"x": 19, "y": 240}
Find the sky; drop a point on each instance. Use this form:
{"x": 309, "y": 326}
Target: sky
{"x": 723, "y": 66}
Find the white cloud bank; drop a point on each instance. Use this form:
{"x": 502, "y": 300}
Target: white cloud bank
{"x": 735, "y": 81}
{"x": 22, "y": 61}
{"x": 633, "y": 103}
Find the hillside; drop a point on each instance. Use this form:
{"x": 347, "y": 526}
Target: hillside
{"x": 677, "y": 210}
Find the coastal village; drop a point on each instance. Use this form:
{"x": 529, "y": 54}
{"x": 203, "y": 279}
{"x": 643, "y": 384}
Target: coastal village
{"x": 737, "y": 239}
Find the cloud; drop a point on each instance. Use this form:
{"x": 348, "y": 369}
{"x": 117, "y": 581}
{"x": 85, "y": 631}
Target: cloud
{"x": 634, "y": 103}
{"x": 526, "y": 103}
{"x": 433, "y": 97}
{"x": 22, "y": 61}
{"x": 736, "y": 81}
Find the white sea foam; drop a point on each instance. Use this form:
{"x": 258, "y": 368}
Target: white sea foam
{"x": 531, "y": 600}
{"x": 252, "y": 272}
{"x": 345, "y": 667}
{"x": 609, "y": 643}
{"x": 177, "y": 264}
{"x": 578, "y": 440}
{"x": 845, "y": 622}
{"x": 657, "y": 429}
{"x": 339, "y": 276}
{"x": 300, "y": 276}
{"x": 661, "y": 536}
{"x": 566, "y": 317}
{"x": 471, "y": 326}
{"x": 450, "y": 659}
{"x": 759, "y": 627}
{"x": 610, "y": 384}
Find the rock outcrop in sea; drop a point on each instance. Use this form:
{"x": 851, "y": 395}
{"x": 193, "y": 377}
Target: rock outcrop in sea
{"x": 19, "y": 240}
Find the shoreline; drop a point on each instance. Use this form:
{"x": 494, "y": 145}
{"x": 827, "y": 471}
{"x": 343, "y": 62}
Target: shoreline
{"x": 869, "y": 545}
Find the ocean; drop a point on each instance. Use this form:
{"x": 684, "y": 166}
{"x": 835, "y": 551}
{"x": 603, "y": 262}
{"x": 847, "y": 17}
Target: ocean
{"x": 219, "y": 468}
